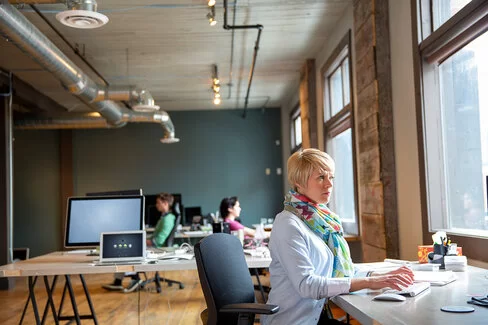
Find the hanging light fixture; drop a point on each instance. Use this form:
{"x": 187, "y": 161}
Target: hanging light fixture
{"x": 216, "y": 85}
{"x": 211, "y": 15}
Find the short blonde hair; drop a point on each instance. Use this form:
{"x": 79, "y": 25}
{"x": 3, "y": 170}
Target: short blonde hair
{"x": 302, "y": 164}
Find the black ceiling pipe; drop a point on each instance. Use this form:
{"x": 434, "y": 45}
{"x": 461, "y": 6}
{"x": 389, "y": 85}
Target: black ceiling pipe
{"x": 231, "y": 66}
{"x": 256, "y": 48}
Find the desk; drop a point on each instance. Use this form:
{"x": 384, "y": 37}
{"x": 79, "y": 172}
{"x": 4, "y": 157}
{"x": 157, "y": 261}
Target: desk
{"x": 192, "y": 234}
{"x": 423, "y": 309}
{"x": 67, "y": 264}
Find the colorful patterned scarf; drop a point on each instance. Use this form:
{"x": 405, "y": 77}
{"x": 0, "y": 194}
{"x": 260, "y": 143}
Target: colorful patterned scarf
{"x": 326, "y": 225}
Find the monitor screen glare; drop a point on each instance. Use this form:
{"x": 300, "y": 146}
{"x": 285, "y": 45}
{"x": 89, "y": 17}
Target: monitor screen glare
{"x": 89, "y": 216}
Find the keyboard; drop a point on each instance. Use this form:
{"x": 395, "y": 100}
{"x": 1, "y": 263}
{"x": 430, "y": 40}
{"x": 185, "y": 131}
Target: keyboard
{"x": 411, "y": 290}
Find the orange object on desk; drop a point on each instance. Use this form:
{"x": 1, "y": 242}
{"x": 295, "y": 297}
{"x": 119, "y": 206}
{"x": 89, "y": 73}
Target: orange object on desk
{"x": 424, "y": 250}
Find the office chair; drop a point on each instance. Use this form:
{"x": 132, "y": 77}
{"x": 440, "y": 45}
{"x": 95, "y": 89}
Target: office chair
{"x": 226, "y": 282}
{"x": 157, "y": 279}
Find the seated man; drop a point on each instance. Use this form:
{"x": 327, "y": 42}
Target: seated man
{"x": 157, "y": 239}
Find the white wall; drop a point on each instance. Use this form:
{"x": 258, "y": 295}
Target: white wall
{"x": 405, "y": 129}
{"x": 343, "y": 25}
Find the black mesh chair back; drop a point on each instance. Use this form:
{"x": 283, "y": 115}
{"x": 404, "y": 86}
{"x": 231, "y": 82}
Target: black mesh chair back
{"x": 176, "y": 211}
{"x": 225, "y": 280}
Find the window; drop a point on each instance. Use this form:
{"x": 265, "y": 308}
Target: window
{"x": 338, "y": 133}
{"x": 296, "y": 130}
{"x": 455, "y": 116}
{"x": 443, "y": 10}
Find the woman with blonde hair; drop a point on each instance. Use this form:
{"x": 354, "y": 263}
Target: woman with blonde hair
{"x": 311, "y": 261}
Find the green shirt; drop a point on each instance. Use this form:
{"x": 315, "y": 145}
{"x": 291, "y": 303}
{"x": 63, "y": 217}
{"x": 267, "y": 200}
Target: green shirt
{"x": 163, "y": 229}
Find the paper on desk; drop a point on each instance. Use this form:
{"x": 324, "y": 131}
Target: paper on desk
{"x": 435, "y": 278}
{"x": 380, "y": 266}
{"x": 186, "y": 256}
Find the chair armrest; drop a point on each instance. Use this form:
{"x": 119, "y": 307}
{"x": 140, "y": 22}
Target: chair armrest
{"x": 253, "y": 308}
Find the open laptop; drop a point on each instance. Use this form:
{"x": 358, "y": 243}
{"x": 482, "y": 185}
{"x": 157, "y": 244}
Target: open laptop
{"x": 122, "y": 247}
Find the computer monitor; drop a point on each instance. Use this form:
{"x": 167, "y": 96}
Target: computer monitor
{"x": 87, "y": 217}
{"x": 116, "y": 193}
{"x": 192, "y": 212}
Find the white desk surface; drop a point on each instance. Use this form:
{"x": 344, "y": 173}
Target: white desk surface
{"x": 193, "y": 234}
{"x": 60, "y": 263}
{"x": 187, "y": 233}
{"x": 425, "y": 308}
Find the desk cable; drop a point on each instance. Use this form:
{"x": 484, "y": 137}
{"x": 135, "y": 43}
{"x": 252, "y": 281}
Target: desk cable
{"x": 479, "y": 301}
{"x": 186, "y": 248}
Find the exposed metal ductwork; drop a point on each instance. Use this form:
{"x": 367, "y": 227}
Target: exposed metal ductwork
{"x": 95, "y": 121}
{"x": 80, "y": 14}
{"x": 139, "y": 99}
{"x": 31, "y": 41}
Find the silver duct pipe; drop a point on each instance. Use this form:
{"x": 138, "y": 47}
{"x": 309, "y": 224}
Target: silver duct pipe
{"x": 95, "y": 121}
{"x": 140, "y": 100}
{"x": 38, "y": 2}
{"x": 90, "y": 5}
{"x": 118, "y": 93}
{"x": 30, "y": 40}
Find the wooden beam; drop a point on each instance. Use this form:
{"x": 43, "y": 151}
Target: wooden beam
{"x": 66, "y": 174}
{"x": 6, "y": 222}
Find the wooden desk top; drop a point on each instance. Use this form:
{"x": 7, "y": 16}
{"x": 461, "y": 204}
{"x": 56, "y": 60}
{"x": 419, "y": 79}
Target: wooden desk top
{"x": 60, "y": 263}
{"x": 422, "y": 309}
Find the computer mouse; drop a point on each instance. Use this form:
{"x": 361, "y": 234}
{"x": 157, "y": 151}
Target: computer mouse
{"x": 389, "y": 297}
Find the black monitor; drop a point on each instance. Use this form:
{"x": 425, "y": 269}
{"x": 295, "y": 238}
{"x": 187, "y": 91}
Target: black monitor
{"x": 116, "y": 193}
{"x": 192, "y": 212}
{"x": 89, "y": 216}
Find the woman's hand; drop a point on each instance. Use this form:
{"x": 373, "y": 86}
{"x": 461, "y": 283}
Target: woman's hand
{"x": 396, "y": 279}
{"x": 401, "y": 270}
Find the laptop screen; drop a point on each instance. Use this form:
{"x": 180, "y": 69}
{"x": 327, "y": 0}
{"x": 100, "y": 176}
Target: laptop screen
{"x": 122, "y": 246}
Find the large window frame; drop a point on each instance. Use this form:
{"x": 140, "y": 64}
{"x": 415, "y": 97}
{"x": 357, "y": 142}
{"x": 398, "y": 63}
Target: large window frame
{"x": 434, "y": 46}
{"x": 336, "y": 122}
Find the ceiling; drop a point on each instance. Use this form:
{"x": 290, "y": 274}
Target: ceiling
{"x": 168, "y": 48}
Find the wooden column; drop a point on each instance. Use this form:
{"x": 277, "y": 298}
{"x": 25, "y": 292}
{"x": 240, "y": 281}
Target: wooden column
{"x": 377, "y": 179}
{"x": 308, "y": 105}
{"x": 6, "y": 222}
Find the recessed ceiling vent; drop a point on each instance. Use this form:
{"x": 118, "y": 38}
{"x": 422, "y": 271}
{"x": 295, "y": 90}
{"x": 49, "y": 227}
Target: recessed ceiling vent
{"x": 82, "y": 14}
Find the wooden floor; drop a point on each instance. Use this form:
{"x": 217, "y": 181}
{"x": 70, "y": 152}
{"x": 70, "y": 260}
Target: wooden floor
{"x": 171, "y": 306}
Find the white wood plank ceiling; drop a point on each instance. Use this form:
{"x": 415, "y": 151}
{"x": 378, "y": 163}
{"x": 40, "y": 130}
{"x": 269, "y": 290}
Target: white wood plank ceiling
{"x": 168, "y": 47}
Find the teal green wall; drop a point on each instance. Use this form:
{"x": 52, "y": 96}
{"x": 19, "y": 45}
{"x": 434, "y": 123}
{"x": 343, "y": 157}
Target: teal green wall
{"x": 37, "y": 205}
{"x": 220, "y": 154}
